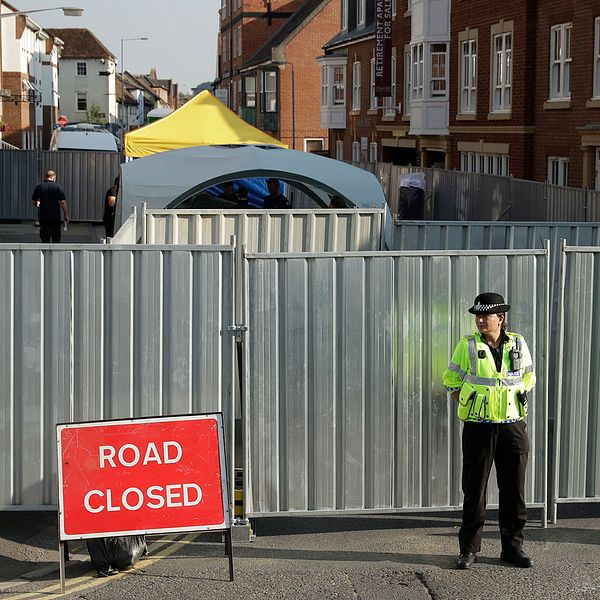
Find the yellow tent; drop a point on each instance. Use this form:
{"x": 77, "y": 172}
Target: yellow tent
{"x": 203, "y": 121}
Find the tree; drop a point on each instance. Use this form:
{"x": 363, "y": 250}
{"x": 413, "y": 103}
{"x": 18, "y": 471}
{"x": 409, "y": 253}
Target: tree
{"x": 94, "y": 115}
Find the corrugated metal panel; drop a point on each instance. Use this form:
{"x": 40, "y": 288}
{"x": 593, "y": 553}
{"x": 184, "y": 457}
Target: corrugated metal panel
{"x": 269, "y": 231}
{"x": 345, "y": 408}
{"x": 128, "y": 232}
{"x": 577, "y": 446}
{"x": 101, "y": 332}
{"x": 85, "y": 177}
{"x": 458, "y": 195}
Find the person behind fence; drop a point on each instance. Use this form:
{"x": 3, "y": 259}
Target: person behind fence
{"x": 228, "y": 192}
{"x": 110, "y": 208}
{"x": 275, "y": 199}
{"x": 337, "y": 202}
{"x": 489, "y": 376}
{"x": 242, "y": 197}
{"x": 51, "y": 202}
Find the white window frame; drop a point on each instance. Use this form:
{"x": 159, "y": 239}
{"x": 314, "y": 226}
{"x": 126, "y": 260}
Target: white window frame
{"x": 372, "y": 97}
{"x": 407, "y": 82}
{"x": 361, "y": 12}
{"x": 485, "y": 163}
{"x": 268, "y": 94}
{"x": 502, "y": 72}
{"x": 355, "y": 152}
{"x": 338, "y": 85}
{"x": 324, "y": 86}
{"x": 394, "y": 7}
{"x": 389, "y": 103}
{"x": 307, "y": 140}
{"x": 344, "y": 15}
{"x": 596, "y": 92}
{"x": 560, "y": 61}
{"x": 418, "y": 71}
{"x": 339, "y": 150}
{"x": 81, "y": 66}
{"x": 84, "y": 95}
{"x": 468, "y": 77}
{"x": 438, "y": 59}
{"x": 373, "y": 152}
{"x": 356, "y": 89}
{"x": 558, "y": 170}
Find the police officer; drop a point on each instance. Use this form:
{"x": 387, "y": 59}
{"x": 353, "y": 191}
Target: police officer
{"x": 489, "y": 375}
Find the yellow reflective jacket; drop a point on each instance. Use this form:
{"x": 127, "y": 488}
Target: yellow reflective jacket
{"x": 485, "y": 393}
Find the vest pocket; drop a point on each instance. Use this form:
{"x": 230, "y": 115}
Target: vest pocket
{"x": 465, "y": 401}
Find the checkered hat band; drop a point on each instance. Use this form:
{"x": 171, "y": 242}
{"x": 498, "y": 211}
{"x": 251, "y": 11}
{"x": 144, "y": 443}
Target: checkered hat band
{"x": 480, "y": 306}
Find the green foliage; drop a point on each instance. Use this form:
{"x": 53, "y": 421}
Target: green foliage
{"x": 94, "y": 115}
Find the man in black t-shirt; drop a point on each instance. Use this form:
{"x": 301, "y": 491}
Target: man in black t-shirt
{"x": 51, "y": 201}
{"x": 275, "y": 199}
{"x": 110, "y": 208}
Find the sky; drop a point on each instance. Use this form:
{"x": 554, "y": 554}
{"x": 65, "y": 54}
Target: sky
{"x": 183, "y": 33}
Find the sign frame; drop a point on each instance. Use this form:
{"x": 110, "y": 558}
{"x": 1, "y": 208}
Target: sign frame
{"x": 225, "y": 526}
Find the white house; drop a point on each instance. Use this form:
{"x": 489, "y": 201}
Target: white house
{"x": 87, "y": 76}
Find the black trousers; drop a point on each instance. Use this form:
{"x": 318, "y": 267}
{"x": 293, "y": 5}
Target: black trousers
{"x": 50, "y": 229}
{"x": 507, "y": 446}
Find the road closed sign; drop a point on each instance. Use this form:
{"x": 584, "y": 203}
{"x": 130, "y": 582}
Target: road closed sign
{"x": 140, "y": 476}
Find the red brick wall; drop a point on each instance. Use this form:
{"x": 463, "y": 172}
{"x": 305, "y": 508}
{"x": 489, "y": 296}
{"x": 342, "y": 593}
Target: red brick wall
{"x": 17, "y": 116}
{"x": 302, "y": 51}
{"x": 364, "y": 124}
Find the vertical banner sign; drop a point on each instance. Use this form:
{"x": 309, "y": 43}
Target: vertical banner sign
{"x": 139, "y": 476}
{"x": 383, "y": 48}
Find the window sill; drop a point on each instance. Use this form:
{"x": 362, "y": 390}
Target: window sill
{"x": 466, "y": 117}
{"x": 388, "y": 118}
{"x": 499, "y": 116}
{"x": 354, "y": 113}
{"x": 593, "y": 103}
{"x": 372, "y": 111}
{"x": 406, "y": 118}
{"x": 408, "y": 13}
{"x": 557, "y": 104}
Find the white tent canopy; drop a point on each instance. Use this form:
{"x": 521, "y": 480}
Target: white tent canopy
{"x": 164, "y": 180}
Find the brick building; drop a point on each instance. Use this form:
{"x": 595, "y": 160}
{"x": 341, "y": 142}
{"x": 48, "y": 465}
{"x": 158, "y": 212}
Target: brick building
{"x": 267, "y": 56}
{"x": 509, "y": 88}
{"x": 28, "y": 79}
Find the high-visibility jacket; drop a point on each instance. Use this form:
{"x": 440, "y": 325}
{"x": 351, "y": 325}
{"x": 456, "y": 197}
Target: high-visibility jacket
{"x": 486, "y": 394}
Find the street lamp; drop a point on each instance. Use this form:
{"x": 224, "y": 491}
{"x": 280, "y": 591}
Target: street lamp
{"x": 282, "y": 63}
{"x": 124, "y": 117}
{"x": 68, "y": 11}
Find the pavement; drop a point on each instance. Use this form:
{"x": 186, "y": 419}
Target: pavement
{"x": 367, "y": 557}
{"x": 28, "y": 233}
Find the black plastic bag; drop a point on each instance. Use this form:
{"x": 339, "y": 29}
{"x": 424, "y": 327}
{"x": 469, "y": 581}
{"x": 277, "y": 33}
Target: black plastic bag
{"x": 116, "y": 552}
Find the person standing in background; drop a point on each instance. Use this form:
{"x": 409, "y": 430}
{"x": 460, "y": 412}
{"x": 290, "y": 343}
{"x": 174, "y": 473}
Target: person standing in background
{"x": 51, "y": 202}
{"x": 110, "y": 208}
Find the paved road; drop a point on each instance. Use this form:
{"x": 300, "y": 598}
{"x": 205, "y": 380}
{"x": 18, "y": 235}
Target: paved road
{"x": 397, "y": 557}
{"x": 27, "y": 233}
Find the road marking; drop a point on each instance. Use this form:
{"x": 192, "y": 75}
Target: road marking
{"x": 88, "y": 580}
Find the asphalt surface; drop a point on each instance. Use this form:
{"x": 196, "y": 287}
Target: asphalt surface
{"x": 375, "y": 557}
{"x": 28, "y": 233}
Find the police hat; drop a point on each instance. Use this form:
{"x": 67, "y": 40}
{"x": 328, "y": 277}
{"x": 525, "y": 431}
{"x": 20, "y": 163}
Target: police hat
{"x": 489, "y": 303}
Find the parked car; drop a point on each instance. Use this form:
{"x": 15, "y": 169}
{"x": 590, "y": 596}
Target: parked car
{"x": 83, "y": 136}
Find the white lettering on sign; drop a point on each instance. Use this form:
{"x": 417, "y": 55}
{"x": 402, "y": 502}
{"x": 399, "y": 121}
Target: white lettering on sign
{"x": 174, "y": 496}
{"x": 129, "y": 455}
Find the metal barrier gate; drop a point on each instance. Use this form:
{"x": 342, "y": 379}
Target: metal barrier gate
{"x": 577, "y": 445}
{"x": 103, "y": 332}
{"x": 349, "y": 414}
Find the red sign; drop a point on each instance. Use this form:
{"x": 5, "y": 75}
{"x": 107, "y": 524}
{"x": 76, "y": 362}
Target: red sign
{"x": 142, "y": 476}
{"x": 62, "y": 121}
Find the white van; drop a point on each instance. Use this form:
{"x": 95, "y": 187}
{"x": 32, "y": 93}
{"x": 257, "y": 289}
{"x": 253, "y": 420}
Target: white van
{"x": 83, "y": 136}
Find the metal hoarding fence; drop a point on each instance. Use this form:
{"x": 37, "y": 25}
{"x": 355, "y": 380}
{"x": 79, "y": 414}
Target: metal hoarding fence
{"x": 269, "y": 231}
{"x": 577, "y": 431}
{"x": 103, "y": 332}
{"x": 84, "y": 176}
{"x": 344, "y": 408}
